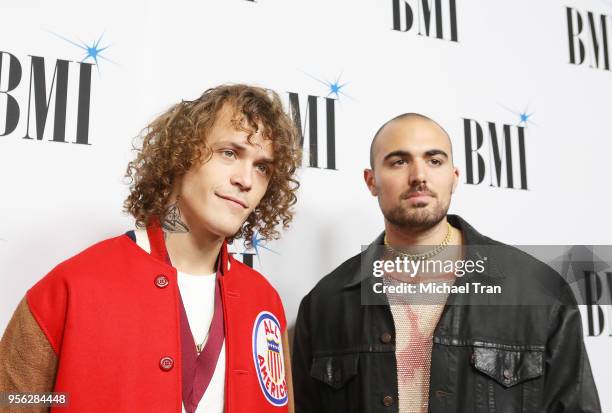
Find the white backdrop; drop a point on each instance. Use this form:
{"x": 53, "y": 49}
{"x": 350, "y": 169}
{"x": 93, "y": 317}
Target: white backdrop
{"x": 510, "y": 58}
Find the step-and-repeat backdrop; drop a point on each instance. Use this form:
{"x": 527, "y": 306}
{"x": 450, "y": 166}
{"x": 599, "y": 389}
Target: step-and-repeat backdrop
{"x": 524, "y": 88}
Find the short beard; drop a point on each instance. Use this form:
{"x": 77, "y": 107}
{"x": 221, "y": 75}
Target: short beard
{"x": 416, "y": 218}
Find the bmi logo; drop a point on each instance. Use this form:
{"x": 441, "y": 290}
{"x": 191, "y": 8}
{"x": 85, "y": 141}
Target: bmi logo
{"x": 596, "y": 284}
{"x": 588, "y": 271}
{"x": 432, "y": 18}
{"x": 268, "y": 358}
{"x": 59, "y": 95}
{"x": 588, "y": 38}
{"x": 315, "y": 116}
{"x": 497, "y": 152}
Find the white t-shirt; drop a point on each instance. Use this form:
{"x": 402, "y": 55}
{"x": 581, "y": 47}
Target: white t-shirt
{"x": 198, "y": 295}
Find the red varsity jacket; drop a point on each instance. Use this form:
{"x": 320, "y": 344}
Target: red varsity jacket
{"x": 111, "y": 315}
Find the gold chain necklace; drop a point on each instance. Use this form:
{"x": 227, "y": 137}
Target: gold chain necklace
{"x": 428, "y": 254}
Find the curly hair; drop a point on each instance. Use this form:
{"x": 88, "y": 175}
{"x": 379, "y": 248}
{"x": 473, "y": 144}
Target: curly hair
{"x": 176, "y": 141}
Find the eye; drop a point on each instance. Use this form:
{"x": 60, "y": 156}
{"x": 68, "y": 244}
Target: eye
{"x": 435, "y": 161}
{"x": 229, "y": 153}
{"x": 263, "y": 168}
{"x": 399, "y": 162}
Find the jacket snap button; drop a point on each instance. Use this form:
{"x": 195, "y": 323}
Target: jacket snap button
{"x": 507, "y": 374}
{"x": 387, "y": 401}
{"x": 385, "y": 338}
{"x": 161, "y": 281}
{"x": 166, "y": 363}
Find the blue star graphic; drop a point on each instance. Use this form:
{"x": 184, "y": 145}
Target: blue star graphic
{"x": 334, "y": 88}
{"x": 93, "y": 51}
{"x": 256, "y": 243}
{"x": 524, "y": 116}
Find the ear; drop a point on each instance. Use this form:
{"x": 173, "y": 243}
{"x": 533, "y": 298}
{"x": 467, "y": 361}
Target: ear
{"x": 455, "y": 179}
{"x": 370, "y": 180}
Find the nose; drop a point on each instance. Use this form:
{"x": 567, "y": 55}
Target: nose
{"x": 418, "y": 174}
{"x": 242, "y": 176}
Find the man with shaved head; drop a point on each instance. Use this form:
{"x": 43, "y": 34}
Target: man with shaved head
{"x": 424, "y": 195}
{"x": 503, "y": 335}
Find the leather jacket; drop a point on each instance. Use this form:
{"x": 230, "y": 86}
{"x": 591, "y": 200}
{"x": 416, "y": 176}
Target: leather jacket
{"x": 523, "y": 353}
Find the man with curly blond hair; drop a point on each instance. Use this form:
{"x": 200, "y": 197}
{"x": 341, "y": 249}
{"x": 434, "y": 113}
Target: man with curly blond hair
{"x": 162, "y": 318}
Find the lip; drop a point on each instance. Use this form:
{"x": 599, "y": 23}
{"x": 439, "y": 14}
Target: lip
{"x": 232, "y": 199}
{"x": 419, "y": 195}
